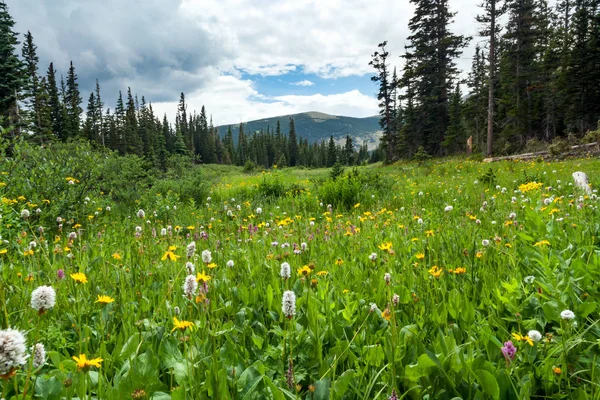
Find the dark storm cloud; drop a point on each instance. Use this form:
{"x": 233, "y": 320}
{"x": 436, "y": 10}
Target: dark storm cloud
{"x": 149, "y": 45}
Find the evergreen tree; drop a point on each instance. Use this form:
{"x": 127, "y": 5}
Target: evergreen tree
{"x": 454, "y": 140}
{"x": 133, "y": 142}
{"x": 30, "y": 96}
{"x": 181, "y": 120}
{"x": 99, "y": 108}
{"x": 72, "y": 104}
{"x": 349, "y": 151}
{"x": 292, "y": 145}
{"x": 119, "y": 116}
{"x": 430, "y": 66}
{"x": 11, "y": 70}
{"x": 493, "y": 11}
{"x": 518, "y": 73}
{"x": 91, "y": 120}
{"x": 56, "y": 107}
{"x": 242, "y": 150}
{"x": 331, "y": 153}
{"x": 476, "y": 107}
{"x": 386, "y": 102}
{"x": 229, "y": 157}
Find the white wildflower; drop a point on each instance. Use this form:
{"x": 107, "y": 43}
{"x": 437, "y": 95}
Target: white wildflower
{"x": 285, "y": 270}
{"x": 12, "y": 350}
{"x": 206, "y": 256}
{"x": 43, "y": 298}
{"x": 289, "y": 304}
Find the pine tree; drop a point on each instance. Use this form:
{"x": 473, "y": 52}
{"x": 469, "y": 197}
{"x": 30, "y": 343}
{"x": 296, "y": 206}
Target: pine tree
{"x": 332, "y": 156}
{"x": 91, "y": 120}
{"x": 386, "y": 102}
{"x": 31, "y": 88}
{"x": 454, "y": 139}
{"x": 229, "y": 147}
{"x": 292, "y": 145}
{"x": 119, "y": 116}
{"x": 99, "y": 108}
{"x": 56, "y": 107}
{"x": 181, "y": 120}
{"x": 133, "y": 142}
{"x": 242, "y": 150}
{"x": 493, "y": 11}
{"x": 72, "y": 104}
{"x": 430, "y": 62}
{"x": 476, "y": 107}
{"x": 11, "y": 70}
{"x": 349, "y": 151}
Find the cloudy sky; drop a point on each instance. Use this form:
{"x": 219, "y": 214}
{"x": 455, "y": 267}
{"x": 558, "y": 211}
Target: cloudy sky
{"x": 242, "y": 59}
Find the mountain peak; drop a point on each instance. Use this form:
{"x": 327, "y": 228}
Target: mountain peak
{"x": 316, "y": 126}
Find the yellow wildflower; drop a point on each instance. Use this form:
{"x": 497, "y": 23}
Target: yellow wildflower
{"x": 79, "y": 277}
{"x": 84, "y": 363}
{"x": 103, "y": 299}
{"x": 182, "y": 325}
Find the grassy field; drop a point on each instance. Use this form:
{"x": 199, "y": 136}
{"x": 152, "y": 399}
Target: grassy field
{"x": 446, "y": 280}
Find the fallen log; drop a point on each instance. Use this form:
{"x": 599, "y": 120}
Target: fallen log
{"x": 529, "y": 156}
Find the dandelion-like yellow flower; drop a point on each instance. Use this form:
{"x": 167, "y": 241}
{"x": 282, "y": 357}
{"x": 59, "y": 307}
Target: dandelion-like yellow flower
{"x": 542, "y": 243}
{"x": 211, "y": 265}
{"x": 322, "y": 273}
{"x": 103, "y": 299}
{"x": 79, "y": 277}
{"x": 181, "y": 325}
{"x": 458, "y": 271}
{"x": 526, "y": 187}
{"x": 386, "y": 246}
{"x": 202, "y": 277}
{"x": 386, "y": 314}
{"x": 436, "y": 271}
{"x": 116, "y": 256}
{"x": 304, "y": 271}
{"x": 170, "y": 255}
{"x": 429, "y": 233}
{"x": 420, "y": 256}
{"x": 83, "y": 362}
{"x": 339, "y": 261}
{"x": 518, "y": 337}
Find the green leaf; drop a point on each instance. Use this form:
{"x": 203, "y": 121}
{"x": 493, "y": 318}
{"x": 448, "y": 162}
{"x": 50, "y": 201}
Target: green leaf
{"x": 322, "y": 388}
{"x": 342, "y": 382}
{"x": 48, "y": 389}
{"x": 488, "y": 383}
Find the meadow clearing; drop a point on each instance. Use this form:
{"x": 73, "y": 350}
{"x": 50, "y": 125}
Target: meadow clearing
{"x": 445, "y": 280}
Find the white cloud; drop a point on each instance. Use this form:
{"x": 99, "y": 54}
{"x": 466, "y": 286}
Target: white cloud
{"x": 232, "y": 100}
{"x": 305, "y": 82}
{"x": 208, "y": 48}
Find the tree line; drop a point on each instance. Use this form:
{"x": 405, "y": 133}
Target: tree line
{"x": 46, "y": 107}
{"x": 535, "y": 77}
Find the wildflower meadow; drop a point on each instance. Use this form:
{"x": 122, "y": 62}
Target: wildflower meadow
{"x": 441, "y": 280}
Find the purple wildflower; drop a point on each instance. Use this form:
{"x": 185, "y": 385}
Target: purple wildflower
{"x": 509, "y": 350}
{"x": 60, "y": 274}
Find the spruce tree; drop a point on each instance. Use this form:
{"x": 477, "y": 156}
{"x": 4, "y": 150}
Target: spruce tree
{"x": 386, "y": 101}
{"x": 133, "y": 142}
{"x": 56, "y": 107}
{"x": 99, "y": 108}
{"x": 91, "y": 120}
{"x": 30, "y": 95}
{"x": 430, "y": 62}
{"x": 11, "y": 70}
{"x": 72, "y": 104}
{"x": 492, "y": 12}
{"x": 332, "y": 157}
{"x": 454, "y": 140}
{"x": 292, "y": 145}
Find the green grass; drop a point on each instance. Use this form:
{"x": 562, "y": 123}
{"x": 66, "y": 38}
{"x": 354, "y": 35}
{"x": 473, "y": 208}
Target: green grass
{"x": 424, "y": 334}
